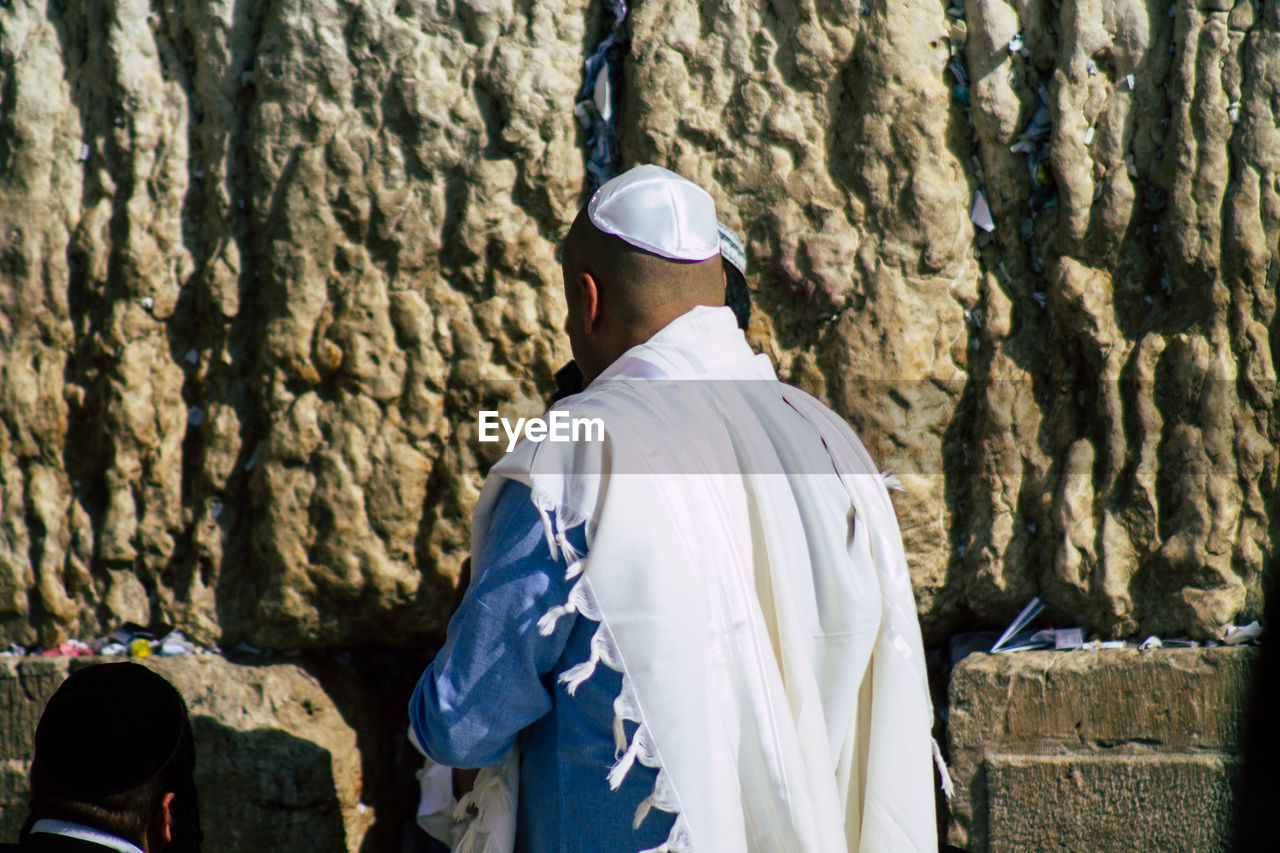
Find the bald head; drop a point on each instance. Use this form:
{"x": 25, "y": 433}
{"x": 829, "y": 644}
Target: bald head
{"x": 639, "y": 291}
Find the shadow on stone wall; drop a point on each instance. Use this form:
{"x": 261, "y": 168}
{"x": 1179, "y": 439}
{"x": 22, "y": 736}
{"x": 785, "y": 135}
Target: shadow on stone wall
{"x": 265, "y": 788}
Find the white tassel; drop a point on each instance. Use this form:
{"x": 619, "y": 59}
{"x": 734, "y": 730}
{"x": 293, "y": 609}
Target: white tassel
{"x": 625, "y": 707}
{"x": 601, "y": 651}
{"x": 618, "y": 773}
{"x": 566, "y": 548}
{"x": 663, "y": 797}
{"x": 547, "y": 624}
{"x": 549, "y": 531}
{"x": 640, "y": 750}
{"x": 575, "y": 568}
{"x": 489, "y": 796}
{"x": 948, "y": 787}
{"x": 642, "y": 811}
{"x": 574, "y": 677}
{"x": 891, "y": 481}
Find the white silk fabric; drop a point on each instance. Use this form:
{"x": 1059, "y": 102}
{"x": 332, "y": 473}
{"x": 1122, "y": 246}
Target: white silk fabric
{"x": 747, "y": 572}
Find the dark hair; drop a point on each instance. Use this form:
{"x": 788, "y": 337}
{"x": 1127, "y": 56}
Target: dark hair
{"x": 124, "y": 814}
{"x": 736, "y": 294}
{"x": 127, "y": 813}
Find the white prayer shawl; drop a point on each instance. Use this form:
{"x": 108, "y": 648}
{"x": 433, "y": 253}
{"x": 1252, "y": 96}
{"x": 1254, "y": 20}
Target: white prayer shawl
{"x": 774, "y": 663}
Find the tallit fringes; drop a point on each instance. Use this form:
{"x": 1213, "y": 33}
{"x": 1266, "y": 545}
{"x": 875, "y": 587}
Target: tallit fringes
{"x": 602, "y": 651}
{"x": 548, "y": 620}
{"x": 891, "y": 481}
{"x": 618, "y": 773}
{"x": 489, "y": 796}
{"x": 619, "y": 738}
{"x": 680, "y": 840}
{"x": 567, "y": 550}
{"x": 663, "y": 797}
{"x": 573, "y": 677}
{"x": 548, "y": 530}
{"x": 948, "y": 787}
{"x": 580, "y": 601}
{"x": 641, "y": 749}
{"x": 547, "y": 623}
{"x": 625, "y": 707}
{"x": 583, "y": 600}
{"x": 574, "y": 569}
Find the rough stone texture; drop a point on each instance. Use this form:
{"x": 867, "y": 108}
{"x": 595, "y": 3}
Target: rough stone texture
{"x": 1114, "y": 450}
{"x": 260, "y": 264}
{"x": 1072, "y": 747}
{"x": 1139, "y": 802}
{"x": 1122, "y": 452}
{"x": 293, "y": 754}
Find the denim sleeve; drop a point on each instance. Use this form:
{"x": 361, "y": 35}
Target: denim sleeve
{"x": 486, "y": 683}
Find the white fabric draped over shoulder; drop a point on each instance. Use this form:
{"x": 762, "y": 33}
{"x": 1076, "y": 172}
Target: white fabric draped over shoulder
{"x": 747, "y": 572}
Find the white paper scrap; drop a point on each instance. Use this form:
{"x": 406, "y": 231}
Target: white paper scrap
{"x": 1031, "y": 611}
{"x": 982, "y": 212}
{"x": 1237, "y": 634}
{"x": 603, "y": 98}
{"x": 1068, "y": 638}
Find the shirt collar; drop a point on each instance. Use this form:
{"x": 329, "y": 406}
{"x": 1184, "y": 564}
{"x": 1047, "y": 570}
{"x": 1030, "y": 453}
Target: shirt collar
{"x": 68, "y": 829}
{"x": 701, "y": 341}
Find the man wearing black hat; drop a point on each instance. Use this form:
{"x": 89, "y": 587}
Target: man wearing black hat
{"x": 113, "y": 767}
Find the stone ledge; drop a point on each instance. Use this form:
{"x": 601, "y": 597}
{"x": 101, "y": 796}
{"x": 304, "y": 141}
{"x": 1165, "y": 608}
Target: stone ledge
{"x": 1165, "y": 802}
{"x": 1016, "y": 715}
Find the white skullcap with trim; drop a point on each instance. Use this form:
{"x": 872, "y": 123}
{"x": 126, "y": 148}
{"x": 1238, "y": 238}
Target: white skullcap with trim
{"x": 731, "y": 248}
{"x": 656, "y": 210}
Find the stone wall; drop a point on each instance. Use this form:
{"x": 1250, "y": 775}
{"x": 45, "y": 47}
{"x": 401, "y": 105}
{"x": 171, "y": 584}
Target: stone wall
{"x": 1105, "y": 750}
{"x": 261, "y": 262}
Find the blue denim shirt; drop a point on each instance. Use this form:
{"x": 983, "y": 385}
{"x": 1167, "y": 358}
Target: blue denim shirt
{"x": 495, "y": 682}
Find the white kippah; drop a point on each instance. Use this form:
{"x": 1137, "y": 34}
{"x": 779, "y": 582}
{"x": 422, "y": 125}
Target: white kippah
{"x": 731, "y": 248}
{"x": 655, "y": 209}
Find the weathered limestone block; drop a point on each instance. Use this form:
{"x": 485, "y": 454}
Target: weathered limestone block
{"x": 1113, "y": 749}
{"x": 1134, "y": 271}
{"x": 259, "y": 263}
{"x": 280, "y": 757}
{"x": 1135, "y": 802}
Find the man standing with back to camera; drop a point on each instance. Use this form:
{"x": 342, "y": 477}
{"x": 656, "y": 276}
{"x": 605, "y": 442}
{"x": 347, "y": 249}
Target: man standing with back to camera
{"x": 698, "y": 633}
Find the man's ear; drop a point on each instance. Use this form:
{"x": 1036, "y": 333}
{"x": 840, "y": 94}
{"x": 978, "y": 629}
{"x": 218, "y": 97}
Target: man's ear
{"x": 160, "y": 826}
{"x": 590, "y": 293}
